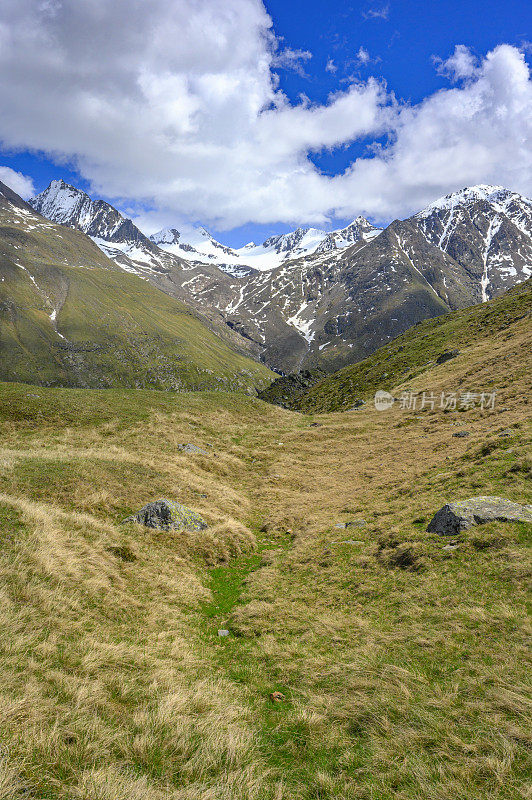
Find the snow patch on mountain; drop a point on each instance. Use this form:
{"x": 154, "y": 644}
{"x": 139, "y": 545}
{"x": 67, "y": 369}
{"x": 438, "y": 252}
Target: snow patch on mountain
{"x": 198, "y": 246}
{"x": 303, "y": 326}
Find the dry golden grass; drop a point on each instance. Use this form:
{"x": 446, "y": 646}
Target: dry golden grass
{"x": 405, "y": 667}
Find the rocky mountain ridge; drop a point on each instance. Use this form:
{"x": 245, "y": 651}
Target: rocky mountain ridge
{"x": 350, "y": 291}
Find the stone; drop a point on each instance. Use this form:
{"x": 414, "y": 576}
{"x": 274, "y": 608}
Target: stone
{"x": 446, "y": 356}
{"x": 168, "y": 515}
{"x": 352, "y": 524}
{"x": 461, "y": 434}
{"x": 223, "y": 632}
{"x": 453, "y": 518}
{"x": 191, "y": 448}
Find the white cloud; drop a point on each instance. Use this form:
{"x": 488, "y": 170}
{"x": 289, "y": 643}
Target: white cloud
{"x": 462, "y": 63}
{"x": 175, "y": 103}
{"x": 21, "y": 184}
{"x": 363, "y": 56}
{"x": 291, "y": 59}
{"x": 379, "y": 12}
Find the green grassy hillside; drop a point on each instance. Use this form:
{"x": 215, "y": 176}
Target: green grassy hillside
{"x": 402, "y": 662}
{"x": 70, "y": 317}
{"x": 413, "y": 353}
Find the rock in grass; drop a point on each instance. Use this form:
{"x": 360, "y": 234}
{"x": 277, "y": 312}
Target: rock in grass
{"x": 191, "y": 448}
{"x": 167, "y": 515}
{"x": 352, "y": 524}
{"x": 456, "y": 517}
{"x": 461, "y": 434}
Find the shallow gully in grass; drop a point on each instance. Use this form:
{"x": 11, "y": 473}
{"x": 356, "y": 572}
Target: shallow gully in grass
{"x": 226, "y": 582}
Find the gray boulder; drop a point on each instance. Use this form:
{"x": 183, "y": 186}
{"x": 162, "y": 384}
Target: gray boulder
{"x": 191, "y": 448}
{"x": 167, "y": 515}
{"x": 456, "y": 517}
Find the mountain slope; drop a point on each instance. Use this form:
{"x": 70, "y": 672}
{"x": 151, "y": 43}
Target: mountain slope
{"x": 132, "y": 251}
{"x": 70, "y": 316}
{"x": 417, "y": 353}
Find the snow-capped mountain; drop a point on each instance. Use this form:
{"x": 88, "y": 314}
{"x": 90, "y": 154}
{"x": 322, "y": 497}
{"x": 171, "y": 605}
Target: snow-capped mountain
{"x": 198, "y": 246}
{"x": 312, "y": 298}
{"x": 487, "y": 229}
{"x": 120, "y": 240}
{"x": 116, "y": 235}
{"x": 71, "y": 317}
{"x": 359, "y": 229}
{"x": 332, "y": 306}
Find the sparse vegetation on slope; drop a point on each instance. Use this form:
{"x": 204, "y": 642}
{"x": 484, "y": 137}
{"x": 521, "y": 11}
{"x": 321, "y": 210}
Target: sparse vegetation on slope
{"x": 399, "y": 658}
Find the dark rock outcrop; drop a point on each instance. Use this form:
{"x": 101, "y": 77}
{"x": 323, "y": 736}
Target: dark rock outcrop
{"x": 168, "y": 515}
{"x": 285, "y": 390}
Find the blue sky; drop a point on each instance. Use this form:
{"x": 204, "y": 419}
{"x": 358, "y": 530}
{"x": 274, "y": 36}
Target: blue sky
{"x": 322, "y": 49}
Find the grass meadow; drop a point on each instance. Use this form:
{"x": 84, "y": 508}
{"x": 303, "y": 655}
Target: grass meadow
{"x": 403, "y": 664}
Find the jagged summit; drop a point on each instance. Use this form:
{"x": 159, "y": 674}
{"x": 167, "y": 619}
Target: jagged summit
{"x": 114, "y": 233}
{"x": 166, "y": 236}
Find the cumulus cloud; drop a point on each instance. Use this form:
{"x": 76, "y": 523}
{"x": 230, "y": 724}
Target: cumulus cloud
{"x": 176, "y": 104}
{"x": 21, "y": 184}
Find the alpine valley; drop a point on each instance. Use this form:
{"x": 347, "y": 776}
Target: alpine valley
{"x": 316, "y": 299}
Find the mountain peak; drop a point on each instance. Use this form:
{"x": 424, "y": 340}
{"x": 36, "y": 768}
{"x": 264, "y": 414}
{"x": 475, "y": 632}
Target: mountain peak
{"x": 67, "y": 205}
{"x": 166, "y": 236}
{"x": 492, "y": 194}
